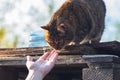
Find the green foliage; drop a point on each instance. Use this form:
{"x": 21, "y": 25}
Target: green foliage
{"x": 4, "y": 41}
{"x": 51, "y": 7}
{"x": 2, "y": 33}
{"x": 15, "y": 42}
{"x": 117, "y": 34}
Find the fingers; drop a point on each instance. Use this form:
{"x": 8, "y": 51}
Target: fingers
{"x": 29, "y": 62}
{"x": 51, "y": 54}
{"x": 53, "y": 57}
{"x": 29, "y": 58}
{"x": 44, "y": 56}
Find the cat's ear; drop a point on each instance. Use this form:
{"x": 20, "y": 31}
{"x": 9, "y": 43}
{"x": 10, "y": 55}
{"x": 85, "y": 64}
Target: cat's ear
{"x": 45, "y": 27}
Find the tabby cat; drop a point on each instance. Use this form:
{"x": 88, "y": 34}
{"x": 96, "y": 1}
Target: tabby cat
{"x": 76, "y": 22}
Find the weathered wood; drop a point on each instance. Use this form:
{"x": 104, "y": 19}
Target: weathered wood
{"x": 70, "y": 61}
{"x": 65, "y": 65}
{"x": 112, "y": 48}
{"x": 108, "y": 48}
{"x": 104, "y": 48}
{"x": 20, "y": 61}
{"x": 10, "y": 52}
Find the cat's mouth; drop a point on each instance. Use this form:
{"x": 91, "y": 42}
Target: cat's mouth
{"x": 55, "y": 46}
{"x": 58, "y": 47}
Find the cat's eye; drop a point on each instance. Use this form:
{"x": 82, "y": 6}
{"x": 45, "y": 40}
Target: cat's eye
{"x": 61, "y": 30}
{"x": 62, "y": 26}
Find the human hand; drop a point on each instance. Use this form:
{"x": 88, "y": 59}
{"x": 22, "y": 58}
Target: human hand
{"x": 41, "y": 67}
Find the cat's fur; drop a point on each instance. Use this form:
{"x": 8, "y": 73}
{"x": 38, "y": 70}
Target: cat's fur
{"x": 78, "y": 21}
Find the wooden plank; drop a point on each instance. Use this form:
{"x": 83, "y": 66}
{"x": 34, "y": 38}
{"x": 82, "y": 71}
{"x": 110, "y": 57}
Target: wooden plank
{"x": 112, "y": 48}
{"x": 20, "y": 61}
{"x": 6, "y": 52}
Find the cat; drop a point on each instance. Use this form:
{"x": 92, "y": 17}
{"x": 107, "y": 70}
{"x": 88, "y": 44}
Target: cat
{"x": 76, "y": 22}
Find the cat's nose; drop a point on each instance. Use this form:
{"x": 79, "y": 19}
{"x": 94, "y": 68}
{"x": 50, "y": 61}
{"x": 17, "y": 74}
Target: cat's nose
{"x": 58, "y": 47}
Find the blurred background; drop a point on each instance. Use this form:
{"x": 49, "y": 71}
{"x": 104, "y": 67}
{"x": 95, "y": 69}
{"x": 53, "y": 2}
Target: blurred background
{"x": 20, "y": 18}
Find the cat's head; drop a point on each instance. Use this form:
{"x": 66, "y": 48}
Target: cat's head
{"x": 57, "y": 35}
